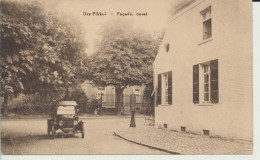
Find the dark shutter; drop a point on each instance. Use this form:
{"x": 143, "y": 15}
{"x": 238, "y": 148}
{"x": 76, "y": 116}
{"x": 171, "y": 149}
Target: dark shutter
{"x": 170, "y": 87}
{"x": 196, "y": 83}
{"x": 159, "y": 92}
{"x": 214, "y": 81}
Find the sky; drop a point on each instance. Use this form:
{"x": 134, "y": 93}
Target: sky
{"x": 157, "y": 14}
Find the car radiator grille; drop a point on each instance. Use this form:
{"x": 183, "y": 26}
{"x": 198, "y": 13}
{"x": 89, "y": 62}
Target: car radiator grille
{"x": 68, "y": 124}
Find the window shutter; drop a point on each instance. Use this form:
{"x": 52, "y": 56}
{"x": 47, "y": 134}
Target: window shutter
{"x": 170, "y": 87}
{"x": 159, "y": 92}
{"x": 214, "y": 81}
{"x": 196, "y": 83}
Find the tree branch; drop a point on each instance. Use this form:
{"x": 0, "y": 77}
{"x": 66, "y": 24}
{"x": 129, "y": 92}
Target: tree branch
{"x": 124, "y": 87}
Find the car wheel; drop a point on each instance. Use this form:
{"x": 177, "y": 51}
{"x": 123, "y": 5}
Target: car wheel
{"x": 82, "y": 131}
{"x": 53, "y": 131}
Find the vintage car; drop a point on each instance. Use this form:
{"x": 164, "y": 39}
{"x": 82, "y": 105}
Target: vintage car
{"x": 64, "y": 121}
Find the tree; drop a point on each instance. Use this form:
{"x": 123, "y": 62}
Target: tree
{"x": 124, "y": 58}
{"x": 40, "y": 52}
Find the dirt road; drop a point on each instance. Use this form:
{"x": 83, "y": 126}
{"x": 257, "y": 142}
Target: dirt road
{"x": 29, "y": 137}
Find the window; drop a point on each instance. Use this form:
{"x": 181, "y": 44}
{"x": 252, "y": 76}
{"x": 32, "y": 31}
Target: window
{"x": 206, "y": 82}
{"x": 205, "y": 78}
{"x": 207, "y": 27}
{"x": 137, "y": 92}
{"x": 101, "y": 91}
{"x": 164, "y": 93}
{"x": 165, "y": 88}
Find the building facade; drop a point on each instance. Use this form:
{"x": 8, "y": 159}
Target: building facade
{"x": 203, "y": 71}
{"x": 109, "y": 96}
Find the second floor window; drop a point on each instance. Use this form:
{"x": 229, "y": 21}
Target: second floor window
{"x": 207, "y": 24}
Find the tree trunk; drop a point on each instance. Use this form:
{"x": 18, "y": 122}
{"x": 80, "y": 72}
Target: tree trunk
{"x": 119, "y": 100}
{"x": 5, "y": 109}
{"x": 67, "y": 94}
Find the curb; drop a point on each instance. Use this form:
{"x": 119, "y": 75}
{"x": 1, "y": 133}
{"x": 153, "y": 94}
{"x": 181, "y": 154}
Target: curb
{"x": 152, "y": 147}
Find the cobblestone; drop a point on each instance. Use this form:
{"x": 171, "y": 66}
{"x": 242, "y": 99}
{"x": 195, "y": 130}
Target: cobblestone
{"x": 184, "y": 143}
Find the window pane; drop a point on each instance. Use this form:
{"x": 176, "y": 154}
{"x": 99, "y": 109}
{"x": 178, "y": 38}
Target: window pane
{"x": 206, "y": 68}
{"x": 166, "y": 98}
{"x": 206, "y": 87}
{"x": 206, "y": 78}
{"x": 206, "y": 96}
{"x": 207, "y": 29}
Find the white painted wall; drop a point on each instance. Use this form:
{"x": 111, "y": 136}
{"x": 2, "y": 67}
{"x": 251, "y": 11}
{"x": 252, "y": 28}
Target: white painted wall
{"x": 231, "y": 44}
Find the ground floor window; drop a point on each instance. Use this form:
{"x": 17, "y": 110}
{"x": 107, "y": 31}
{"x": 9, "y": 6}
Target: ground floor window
{"x": 164, "y": 93}
{"x": 205, "y": 82}
{"x": 165, "y": 88}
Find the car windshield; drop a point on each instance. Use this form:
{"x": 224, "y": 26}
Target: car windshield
{"x": 62, "y": 110}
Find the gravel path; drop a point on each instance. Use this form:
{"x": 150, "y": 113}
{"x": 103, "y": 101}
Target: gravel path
{"x": 184, "y": 143}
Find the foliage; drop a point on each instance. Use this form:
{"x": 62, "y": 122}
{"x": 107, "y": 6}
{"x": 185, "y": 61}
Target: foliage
{"x": 30, "y": 104}
{"x": 94, "y": 104}
{"x": 124, "y": 58}
{"x": 40, "y": 52}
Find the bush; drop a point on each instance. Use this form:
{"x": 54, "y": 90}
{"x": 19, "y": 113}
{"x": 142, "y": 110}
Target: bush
{"x": 80, "y": 97}
{"x": 94, "y": 104}
{"x": 30, "y": 104}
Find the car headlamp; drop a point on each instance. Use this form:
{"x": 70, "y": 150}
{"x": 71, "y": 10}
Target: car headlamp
{"x": 60, "y": 122}
{"x": 75, "y": 122}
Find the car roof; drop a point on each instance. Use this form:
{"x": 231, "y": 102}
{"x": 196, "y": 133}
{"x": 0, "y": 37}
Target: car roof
{"x": 67, "y": 103}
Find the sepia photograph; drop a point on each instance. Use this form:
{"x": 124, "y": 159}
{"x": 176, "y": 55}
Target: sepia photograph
{"x": 126, "y": 77}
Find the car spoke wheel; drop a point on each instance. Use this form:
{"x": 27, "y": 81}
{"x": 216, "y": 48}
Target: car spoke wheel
{"x": 53, "y": 131}
{"x": 82, "y": 131}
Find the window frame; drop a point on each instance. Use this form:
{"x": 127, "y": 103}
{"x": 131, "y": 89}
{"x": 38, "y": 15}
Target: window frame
{"x": 205, "y": 81}
{"x": 207, "y": 20}
{"x": 164, "y": 81}
{"x": 165, "y": 88}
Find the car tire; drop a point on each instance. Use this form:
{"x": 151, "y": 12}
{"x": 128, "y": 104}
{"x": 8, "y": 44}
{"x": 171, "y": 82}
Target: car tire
{"x": 82, "y": 131}
{"x": 53, "y": 131}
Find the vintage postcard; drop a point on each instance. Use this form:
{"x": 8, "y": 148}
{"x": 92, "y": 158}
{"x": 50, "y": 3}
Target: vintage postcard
{"x": 128, "y": 77}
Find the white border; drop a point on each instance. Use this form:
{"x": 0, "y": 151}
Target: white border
{"x": 255, "y": 156}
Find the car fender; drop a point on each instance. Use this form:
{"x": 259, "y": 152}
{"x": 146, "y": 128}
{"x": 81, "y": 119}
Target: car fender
{"x": 79, "y": 125}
